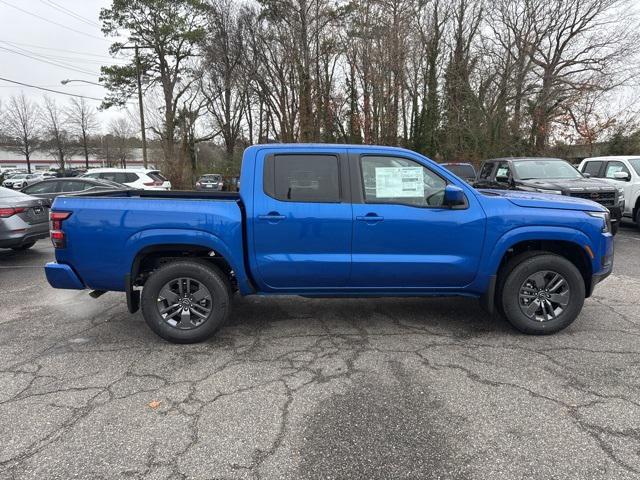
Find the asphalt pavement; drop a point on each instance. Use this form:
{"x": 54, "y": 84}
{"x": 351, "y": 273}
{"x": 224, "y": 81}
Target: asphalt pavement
{"x": 297, "y": 388}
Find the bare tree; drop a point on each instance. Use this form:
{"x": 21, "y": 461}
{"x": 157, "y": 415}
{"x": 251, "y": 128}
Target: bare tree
{"x": 21, "y": 123}
{"x": 82, "y": 119}
{"x": 121, "y": 130}
{"x": 57, "y": 136}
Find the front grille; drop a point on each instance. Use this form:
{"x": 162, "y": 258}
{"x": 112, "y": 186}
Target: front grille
{"x": 607, "y": 199}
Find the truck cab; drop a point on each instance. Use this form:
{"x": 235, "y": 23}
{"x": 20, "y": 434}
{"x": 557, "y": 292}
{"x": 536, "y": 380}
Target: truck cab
{"x": 333, "y": 220}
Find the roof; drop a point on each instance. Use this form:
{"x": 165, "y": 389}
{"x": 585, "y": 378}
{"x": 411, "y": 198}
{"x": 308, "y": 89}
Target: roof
{"x": 132, "y": 170}
{"x": 504, "y": 159}
{"x": 614, "y": 157}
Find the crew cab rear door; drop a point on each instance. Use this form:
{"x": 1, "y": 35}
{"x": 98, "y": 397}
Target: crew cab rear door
{"x": 403, "y": 237}
{"x": 302, "y": 223}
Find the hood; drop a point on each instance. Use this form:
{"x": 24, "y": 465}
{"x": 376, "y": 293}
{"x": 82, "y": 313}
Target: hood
{"x": 546, "y": 200}
{"x": 568, "y": 184}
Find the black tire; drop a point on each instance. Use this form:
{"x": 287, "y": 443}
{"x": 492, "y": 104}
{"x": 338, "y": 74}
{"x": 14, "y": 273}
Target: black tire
{"x": 24, "y": 246}
{"x": 615, "y": 226}
{"x": 519, "y": 271}
{"x": 210, "y": 277}
{"x": 637, "y": 219}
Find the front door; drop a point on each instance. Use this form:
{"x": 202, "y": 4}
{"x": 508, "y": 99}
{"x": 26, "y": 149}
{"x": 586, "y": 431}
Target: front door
{"x": 303, "y": 221}
{"x": 402, "y": 236}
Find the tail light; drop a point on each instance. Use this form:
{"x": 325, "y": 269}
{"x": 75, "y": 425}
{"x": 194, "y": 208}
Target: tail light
{"x": 57, "y": 235}
{"x": 9, "y": 212}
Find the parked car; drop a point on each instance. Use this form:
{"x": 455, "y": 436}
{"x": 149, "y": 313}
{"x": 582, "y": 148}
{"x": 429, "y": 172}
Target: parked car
{"x": 624, "y": 173}
{"x": 21, "y": 180}
{"x": 420, "y": 231}
{"x": 550, "y": 175}
{"x": 23, "y": 220}
{"x": 212, "y": 181}
{"x": 465, "y": 171}
{"x": 145, "y": 179}
{"x": 50, "y": 188}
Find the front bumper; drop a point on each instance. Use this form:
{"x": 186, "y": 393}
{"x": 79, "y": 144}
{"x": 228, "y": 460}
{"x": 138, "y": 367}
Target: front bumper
{"x": 616, "y": 213}
{"x": 60, "y": 275}
{"x": 603, "y": 264}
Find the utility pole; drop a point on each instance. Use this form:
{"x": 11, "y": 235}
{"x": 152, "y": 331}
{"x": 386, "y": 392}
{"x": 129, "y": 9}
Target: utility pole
{"x": 144, "y": 133}
{"x": 140, "y": 104}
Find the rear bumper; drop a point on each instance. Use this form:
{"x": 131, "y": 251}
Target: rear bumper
{"x": 18, "y": 237}
{"x": 60, "y": 275}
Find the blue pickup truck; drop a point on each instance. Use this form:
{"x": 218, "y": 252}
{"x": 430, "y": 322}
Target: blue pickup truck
{"x": 332, "y": 220}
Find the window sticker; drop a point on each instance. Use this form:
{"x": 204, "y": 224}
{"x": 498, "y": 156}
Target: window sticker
{"x": 398, "y": 182}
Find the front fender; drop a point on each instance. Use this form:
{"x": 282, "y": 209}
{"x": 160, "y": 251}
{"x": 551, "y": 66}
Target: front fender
{"x": 158, "y": 237}
{"x": 512, "y": 237}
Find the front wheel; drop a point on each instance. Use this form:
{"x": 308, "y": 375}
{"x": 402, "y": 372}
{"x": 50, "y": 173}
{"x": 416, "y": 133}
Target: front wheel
{"x": 186, "y": 301}
{"x": 542, "y": 294}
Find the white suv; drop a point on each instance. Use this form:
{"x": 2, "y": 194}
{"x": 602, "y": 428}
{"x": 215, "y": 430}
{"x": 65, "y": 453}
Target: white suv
{"x": 145, "y": 179}
{"x": 624, "y": 173}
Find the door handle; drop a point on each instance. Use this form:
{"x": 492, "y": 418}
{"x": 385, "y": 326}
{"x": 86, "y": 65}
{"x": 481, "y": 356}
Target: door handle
{"x": 272, "y": 217}
{"x": 370, "y": 218}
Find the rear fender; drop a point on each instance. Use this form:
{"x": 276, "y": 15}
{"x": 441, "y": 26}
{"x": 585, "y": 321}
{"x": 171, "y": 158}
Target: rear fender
{"x": 198, "y": 238}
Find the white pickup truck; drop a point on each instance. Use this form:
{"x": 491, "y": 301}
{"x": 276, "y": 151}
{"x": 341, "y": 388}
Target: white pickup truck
{"x": 622, "y": 171}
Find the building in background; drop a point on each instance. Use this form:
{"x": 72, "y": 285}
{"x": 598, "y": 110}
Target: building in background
{"x": 42, "y": 160}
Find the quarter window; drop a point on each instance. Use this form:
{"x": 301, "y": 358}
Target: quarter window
{"x": 303, "y": 178}
{"x": 485, "y": 172}
{"x": 399, "y": 180}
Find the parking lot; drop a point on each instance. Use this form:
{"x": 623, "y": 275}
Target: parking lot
{"x": 325, "y": 388}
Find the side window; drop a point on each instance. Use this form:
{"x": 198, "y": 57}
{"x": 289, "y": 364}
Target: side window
{"x": 485, "y": 171}
{"x": 503, "y": 173}
{"x": 615, "y": 167}
{"x": 70, "y": 186}
{"x": 42, "y": 187}
{"x": 399, "y": 180}
{"x": 592, "y": 168}
{"x": 303, "y": 178}
{"x": 130, "y": 177}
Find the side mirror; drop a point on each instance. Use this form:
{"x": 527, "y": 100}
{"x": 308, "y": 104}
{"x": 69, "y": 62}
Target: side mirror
{"x": 454, "y": 197}
{"x": 621, "y": 176}
{"x": 586, "y": 175}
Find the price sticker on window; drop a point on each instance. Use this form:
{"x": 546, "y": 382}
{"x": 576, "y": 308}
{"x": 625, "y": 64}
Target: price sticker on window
{"x": 399, "y": 182}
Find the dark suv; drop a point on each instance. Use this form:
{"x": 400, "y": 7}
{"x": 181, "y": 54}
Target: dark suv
{"x": 549, "y": 175}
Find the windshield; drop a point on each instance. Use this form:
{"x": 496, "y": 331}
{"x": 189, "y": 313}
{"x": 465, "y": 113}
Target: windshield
{"x": 19, "y": 176}
{"x": 539, "y": 169}
{"x": 635, "y": 163}
{"x": 211, "y": 178}
{"x": 462, "y": 170}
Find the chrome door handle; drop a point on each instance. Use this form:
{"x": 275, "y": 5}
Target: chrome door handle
{"x": 272, "y": 217}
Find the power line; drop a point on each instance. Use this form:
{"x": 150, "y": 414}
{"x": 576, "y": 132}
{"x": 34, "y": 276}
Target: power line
{"x": 61, "y": 65}
{"x": 49, "y": 90}
{"x": 67, "y": 60}
{"x": 88, "y": 54}
{"x": 71, "y": 13}
{"x": 51, "y": 21}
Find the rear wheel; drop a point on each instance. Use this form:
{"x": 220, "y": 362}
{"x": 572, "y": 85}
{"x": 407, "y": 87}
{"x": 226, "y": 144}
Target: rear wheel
{"x": 186, "y": 301}
{"x": 542, "y": 294}
{"x": 24, "y": 246}
{"x": 615, "y": 226}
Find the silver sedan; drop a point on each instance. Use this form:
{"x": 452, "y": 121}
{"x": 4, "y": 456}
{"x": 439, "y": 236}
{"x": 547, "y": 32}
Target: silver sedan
{"x": 23, "y": 220}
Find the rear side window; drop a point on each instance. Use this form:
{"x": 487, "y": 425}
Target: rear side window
{"x": 73, "y": 186}
{"x": 592, "y": 168}
{"x": 485, "y": 172}
{"x": 42, "y": 187}
{"x": 303, "y": 178}
{"x": 156, "y": 176}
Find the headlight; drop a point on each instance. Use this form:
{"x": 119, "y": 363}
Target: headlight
{"x": 554, "y": 192}
{"x": 620, "y": 193}
{"x": 606, "y": 220}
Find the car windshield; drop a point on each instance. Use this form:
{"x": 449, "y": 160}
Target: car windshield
{"x": 462, "y": 170}
{"x": 6, "y": 193}
{"x": 20, "y": 176}
{"x": 211, "y": 178}
{"x": 539, "y": 169}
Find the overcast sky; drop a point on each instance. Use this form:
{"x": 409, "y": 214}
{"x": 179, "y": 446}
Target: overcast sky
{"x": 65, "y": 33}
